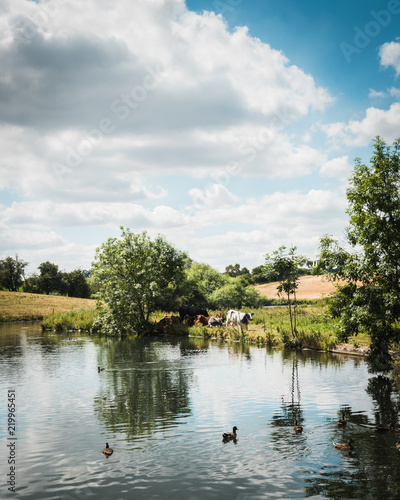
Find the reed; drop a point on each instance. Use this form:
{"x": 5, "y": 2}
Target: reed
{"x": 81, "y": 319}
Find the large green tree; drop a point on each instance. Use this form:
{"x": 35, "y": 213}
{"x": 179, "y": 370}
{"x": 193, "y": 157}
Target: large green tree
{"x": 134, "y": 275}
{"x": 369, "y": 301}
{"x": 12, "y": 273}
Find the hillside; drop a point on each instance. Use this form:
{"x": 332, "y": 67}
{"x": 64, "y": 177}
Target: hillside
{"x": 16, "y": 306}
{"x": 311, "y": 287}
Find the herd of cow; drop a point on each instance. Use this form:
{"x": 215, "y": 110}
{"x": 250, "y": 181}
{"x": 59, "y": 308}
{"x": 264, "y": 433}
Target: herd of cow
{"x": 191, "y": 315}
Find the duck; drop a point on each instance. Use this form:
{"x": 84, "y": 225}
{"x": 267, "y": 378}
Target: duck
{"x": 344, "y": 446}
{"x": 342, "y": 421}
{"x": 383, "y": 429}
{"x": 100, "y": 369}
{"x": 108, "y": 451}
{"x": 230, "y": 435}
{"x": 297, "y": 428}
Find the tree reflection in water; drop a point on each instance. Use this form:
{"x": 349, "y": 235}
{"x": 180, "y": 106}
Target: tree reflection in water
{"x": 143, "y": 392}
{"x": 367, "y": 472}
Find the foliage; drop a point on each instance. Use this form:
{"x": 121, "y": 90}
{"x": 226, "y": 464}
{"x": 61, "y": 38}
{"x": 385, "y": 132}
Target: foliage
{"x": 369, "y": 302}
{"x": 258, "y": 275}
{"x": 234, "y": 271}
{"x": 284, "y": 267}
{"x": 135, "y": 275}
{"x": 12, "y": 273}
{"x": 201, "y": 281}
{"x": 77, "y": 283}
{"x": 81, "y": 319}
{"x": 55, "y": 282}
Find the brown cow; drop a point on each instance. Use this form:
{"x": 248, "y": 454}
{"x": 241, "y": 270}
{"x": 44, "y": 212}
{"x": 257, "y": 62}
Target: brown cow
{"x": 201, "y": 320}
{"x": 169, "y": 320}
{"x": 204, "y": 320}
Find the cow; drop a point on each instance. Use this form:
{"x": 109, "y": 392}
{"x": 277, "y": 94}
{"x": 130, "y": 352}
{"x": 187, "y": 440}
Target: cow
{"x": 214, "y": 321}
{"x": 201, "y": 320}
{"x": 191, "y": 311}
{"x": 238, "y": 318}
{"x": 189, "y": 320}
{"x": 169, "y": 320}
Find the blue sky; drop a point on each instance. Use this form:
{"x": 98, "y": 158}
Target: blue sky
{"x": 229, "y": 126}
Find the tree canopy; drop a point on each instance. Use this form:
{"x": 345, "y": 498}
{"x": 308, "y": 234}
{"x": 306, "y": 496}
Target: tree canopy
{"x": 369, "y": 302}
{"x": 12, "y": 273}
{"x": 135, "y": 275}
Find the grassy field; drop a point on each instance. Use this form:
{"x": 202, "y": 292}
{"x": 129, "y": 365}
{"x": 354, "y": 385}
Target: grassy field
{"x": 18, "y": 306}
{"x": 310, "y": 288}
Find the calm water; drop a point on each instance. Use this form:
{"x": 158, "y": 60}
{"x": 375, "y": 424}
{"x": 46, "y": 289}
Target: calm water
{"x": 162, "y": 406}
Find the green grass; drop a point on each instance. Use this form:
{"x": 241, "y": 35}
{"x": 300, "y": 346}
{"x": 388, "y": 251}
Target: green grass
{"x": 81, "y": 319}
{"x": 271, "y": 326}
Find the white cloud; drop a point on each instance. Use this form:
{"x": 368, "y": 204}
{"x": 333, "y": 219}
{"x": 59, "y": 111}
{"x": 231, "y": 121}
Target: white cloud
{"x": 390, "y": 55}
{"x": 385, "y": 123}
{"x": 376, "y": 94}
{"x": 337, "y": 167}
{"x": 98, "y": 106}
{"x": 148, "y": 88}
{"x": 47, "y": 213}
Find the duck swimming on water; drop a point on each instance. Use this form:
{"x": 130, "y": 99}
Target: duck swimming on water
{"x": 230, "y": 435}
{"x": 297, "y": 428}
{"x": 344, "y": 446}
{"x": 108, "y": 451}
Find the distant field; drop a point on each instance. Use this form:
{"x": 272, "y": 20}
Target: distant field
{"x": 16, "y": 306}
{"x": 311, "y": 287}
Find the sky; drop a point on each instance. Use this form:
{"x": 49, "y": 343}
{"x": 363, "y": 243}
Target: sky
{"x": 229, "y": 127}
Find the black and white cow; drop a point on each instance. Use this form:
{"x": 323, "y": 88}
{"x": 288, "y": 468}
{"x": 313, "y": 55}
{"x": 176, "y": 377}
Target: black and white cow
{"x": 191, "y": 311}
{"x": 213, "y": 321}
{"x": 238, "y": 318}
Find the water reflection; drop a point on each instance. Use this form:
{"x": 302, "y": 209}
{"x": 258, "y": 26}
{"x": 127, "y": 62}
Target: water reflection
{"x": 162, "y": 405}
{"x": 146, "y": 387}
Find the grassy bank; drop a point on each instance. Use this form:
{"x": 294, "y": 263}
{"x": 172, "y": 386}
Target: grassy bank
{"x": 270, "y": 326}
{"x": 80, "y": 319}
{"x": 18, "y": 306}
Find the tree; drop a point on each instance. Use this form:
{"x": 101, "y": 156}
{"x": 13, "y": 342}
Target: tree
{"x": 258, "y": 275}
{"x": 12, "y": 273}
{"x": 285, "y": 267}
{"x": 77, "y": 283}
{"x": 369, "y": 301}
{"x": 134, "y": 274}
{"x": 232, "y": 270}
{"x": 51, "y": 280}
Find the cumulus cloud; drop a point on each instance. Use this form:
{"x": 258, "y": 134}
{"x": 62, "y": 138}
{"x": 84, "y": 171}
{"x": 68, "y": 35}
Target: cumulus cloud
{"x": 98, "y": 106}
{"x": 339, "y": 168}
{"x": 87, "y": 98}
{"x": 390, "y": 55}
{"x": 385, "y": 123}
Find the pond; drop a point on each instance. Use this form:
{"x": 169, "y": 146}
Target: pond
{"x": 162, "y": 405}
